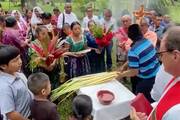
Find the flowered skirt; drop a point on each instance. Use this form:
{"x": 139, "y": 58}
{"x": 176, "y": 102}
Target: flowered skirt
{"x": 77, "y": 66}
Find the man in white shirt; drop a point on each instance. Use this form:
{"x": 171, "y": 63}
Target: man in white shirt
{"x": 67, "y": 16}
{"x": 161, "y": 80}
{"x": 89, "y": 17}
{"x": 107, "y": 22}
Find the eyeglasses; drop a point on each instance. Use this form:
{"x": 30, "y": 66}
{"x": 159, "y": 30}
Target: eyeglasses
{"x": 160, "y": 54}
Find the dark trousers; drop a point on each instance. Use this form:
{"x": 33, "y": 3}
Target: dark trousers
{"x": 108, "y": 50}
{"x": 144, "y": 86}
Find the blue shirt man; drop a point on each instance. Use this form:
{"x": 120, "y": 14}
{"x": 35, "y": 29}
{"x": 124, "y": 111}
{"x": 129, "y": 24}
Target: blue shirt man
{"x": 142, "y": 56}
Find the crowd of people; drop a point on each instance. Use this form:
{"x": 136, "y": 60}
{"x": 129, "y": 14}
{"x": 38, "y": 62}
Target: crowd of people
{"x": 137, "y": 47}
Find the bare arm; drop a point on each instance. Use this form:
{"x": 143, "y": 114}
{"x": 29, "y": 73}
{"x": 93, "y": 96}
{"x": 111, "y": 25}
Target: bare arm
{"x": 128, "y": 73}
{"x": 15, "y": 116}
{"x": 123, "y": 67}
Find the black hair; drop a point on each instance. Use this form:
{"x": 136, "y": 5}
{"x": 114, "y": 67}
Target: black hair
{"x": 107, "y": 10}
{"x": 134, "y": 33}
{"x": 63, "y": 34}
{"x": 10, "y": 21}
{"x": 91, "y": 21}
{"x": 37, "y": 82}
{"x": 82, "y": 107}
{"x": 75, "y": 23}
{"x": 7, "y": 53}
{"x": 27, "y": 10}
{"x": 46, "y": 15}
{"x": 56, "y": 9}
{"x": 39, "y": 29}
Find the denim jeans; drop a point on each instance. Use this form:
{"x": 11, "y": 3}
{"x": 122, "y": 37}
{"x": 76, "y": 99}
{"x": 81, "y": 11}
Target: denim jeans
{"x": 108, "y": 50}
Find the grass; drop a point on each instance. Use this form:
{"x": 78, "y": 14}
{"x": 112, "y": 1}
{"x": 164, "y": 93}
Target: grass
{"x": 174, "y": 12}
{"x": 64, "y": 108}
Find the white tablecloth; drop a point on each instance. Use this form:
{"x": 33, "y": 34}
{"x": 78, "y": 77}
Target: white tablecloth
{"x": 120, "y": 106}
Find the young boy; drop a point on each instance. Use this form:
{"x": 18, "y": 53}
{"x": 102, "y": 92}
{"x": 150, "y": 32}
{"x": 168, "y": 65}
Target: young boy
{"x": 14, "y": 94}
{"x": 41, "y": 107}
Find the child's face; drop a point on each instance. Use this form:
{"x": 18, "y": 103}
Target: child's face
{"x": 13, "y": 66}
{"x": 29, "y": 14}
{"x": 76, "y": 29}
{"x": 91, "y": 25}
{"x": 43, "y": 34}
{"x": 16, "y": 15}
{"x": 67, "y": 30}
{"x": 46, "y": 21}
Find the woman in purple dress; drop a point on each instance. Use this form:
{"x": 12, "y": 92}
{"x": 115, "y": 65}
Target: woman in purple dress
{"x": 12, "y": 36}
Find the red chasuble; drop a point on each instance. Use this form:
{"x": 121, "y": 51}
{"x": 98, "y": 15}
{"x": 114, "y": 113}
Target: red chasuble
{"x": 170, "y": 99}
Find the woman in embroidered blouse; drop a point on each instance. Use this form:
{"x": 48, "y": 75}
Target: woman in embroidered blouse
{"x": 53, "y": 69}
{"x": 78, "y": 64}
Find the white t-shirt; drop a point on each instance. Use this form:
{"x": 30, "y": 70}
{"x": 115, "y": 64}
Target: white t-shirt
{"x": 108, "y": 24}
{"x": 68, "y": 18}
{"x": 86, "y": 20}
{"x": 161, "y": 80}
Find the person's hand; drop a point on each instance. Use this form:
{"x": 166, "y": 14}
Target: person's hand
{"x": 119, "y": 76}
{"x": 26, "y": 43}
{"x": 137, "y": 115}
{"x": 51, "y": 67}
{"x": 79, "y": 55}
{"x": 122, "y": 45}
{"x": 98, "y": 51}
{"x": 122, "y": 68}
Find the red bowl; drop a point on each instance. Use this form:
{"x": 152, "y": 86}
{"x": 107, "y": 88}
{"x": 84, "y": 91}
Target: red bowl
{"x": 105, "y": 97}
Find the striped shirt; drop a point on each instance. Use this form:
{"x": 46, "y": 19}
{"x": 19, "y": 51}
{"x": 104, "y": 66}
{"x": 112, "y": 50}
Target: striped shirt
{"x": 142, "y": 56}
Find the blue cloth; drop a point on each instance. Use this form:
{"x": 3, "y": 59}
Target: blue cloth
{"x": 142, "y": 56}
{"x": 90, "y": 40}
{"x": 159, "y": 31}
{"x": 108, "y": 55}
{"x": 96, "y": 61}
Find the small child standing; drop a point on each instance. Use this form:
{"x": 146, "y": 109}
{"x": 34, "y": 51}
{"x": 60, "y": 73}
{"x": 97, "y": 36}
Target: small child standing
{"x": 41, "y": 107}
{"x": 82, "y": 108}
{"x": 15, "y": 97}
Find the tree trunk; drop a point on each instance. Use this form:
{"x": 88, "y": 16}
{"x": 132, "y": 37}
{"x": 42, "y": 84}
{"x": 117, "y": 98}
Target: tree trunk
{"x": 33, "y": 3}
{"x": 23, "y": 4}
{"x": 172, "y": 2}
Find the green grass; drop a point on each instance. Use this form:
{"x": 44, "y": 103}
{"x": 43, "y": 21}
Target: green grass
{"x": 174, "y": 12}
{"x": 64, "y": 108}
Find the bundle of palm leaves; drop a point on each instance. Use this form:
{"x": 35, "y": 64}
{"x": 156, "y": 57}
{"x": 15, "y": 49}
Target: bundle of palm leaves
{"x": 76, "y": 83}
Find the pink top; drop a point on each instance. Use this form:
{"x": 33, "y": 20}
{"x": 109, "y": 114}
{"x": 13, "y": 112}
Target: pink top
{"x": 123, "y": 41}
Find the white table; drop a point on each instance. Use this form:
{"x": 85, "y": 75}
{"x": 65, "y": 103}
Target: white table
{"x": 120, "y": 106}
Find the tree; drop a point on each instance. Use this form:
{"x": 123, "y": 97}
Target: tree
{"x": 160, "y": 6}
